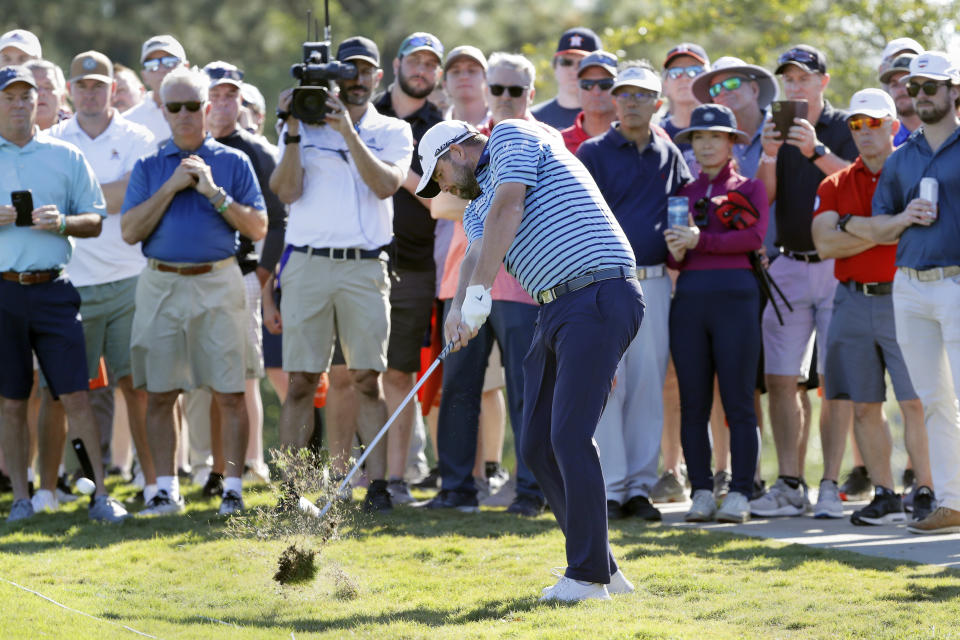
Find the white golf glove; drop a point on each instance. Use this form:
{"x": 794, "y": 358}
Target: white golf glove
{"x": 476, "y": 306}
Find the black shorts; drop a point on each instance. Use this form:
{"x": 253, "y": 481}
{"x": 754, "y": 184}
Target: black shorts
{"x": 42, "y": 319}
{"x": 411, "y": 303}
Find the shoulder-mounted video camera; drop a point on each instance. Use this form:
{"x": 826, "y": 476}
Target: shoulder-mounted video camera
{"x": 316, "y": 73}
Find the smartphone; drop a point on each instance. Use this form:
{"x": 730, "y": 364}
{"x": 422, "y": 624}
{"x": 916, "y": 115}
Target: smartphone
{"x": 783, "y": 113}
{"x": 23, "y": 202}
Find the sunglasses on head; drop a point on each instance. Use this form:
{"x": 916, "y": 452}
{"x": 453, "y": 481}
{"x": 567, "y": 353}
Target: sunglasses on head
{"x": 859, "y": 122}
{"x": 730, "y": 84}
{"x": 566, "y": 62}
{"x": 168, "y": 62}
{"x": 219, "y": 73}
{"x": 691, "y": 72}
{"x": 424, "y": 41}
{"x": 605, "y": 84}
{"x": 192, "y": 106}
{"x": 930, "y": 87}
{"x": 639, "y": 96}
{"x": 515, "y": 91}
{"x": 798, "y": 55}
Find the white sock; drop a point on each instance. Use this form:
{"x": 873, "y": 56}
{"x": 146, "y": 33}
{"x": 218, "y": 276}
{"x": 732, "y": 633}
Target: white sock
{"x": 30, "y": 475}
{"x": 170, "y": 484}
{"x": 232, "y": 484}
{"x": 149, "y": 492}
{"x": 61, "y": 470}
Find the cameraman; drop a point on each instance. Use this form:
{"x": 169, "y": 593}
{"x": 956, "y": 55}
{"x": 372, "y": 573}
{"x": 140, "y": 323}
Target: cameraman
{"x": 338, "y": 178}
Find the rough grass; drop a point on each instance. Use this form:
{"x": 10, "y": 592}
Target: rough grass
{"x": 446, "y": 575}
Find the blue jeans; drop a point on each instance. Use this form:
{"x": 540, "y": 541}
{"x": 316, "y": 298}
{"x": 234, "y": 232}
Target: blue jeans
{"x": 511, "y": 324}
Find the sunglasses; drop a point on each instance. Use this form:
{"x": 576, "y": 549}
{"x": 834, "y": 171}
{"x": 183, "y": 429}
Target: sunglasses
{"x": 514, "y": 91}
{"x": 423, "y": 41}
{"x": 192, "y": 106}
{"x": 930, "y": 87}
{"x": 858, "y": 123}
{"x": 168, "y": 62}
{"x": 730, "y": 84}
{"x": 799, "y": 55}
{"x": 691, "y": 72}
{"x": 566, "y": 62}
{"x": 639, "y": 96}
{"x": 605, "y": 84}
{"x": 219, "y": 73}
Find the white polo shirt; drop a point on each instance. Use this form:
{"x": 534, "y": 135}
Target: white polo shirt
{"x": 148, "y": 114}
{"x": 337, "y": 209}
{"x": 112, "y": 154}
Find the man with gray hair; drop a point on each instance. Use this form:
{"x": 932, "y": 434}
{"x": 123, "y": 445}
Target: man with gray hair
{"x": 510, "y": 91}
{"x": 52, "y": 104}
{"x": 186, "y": 203}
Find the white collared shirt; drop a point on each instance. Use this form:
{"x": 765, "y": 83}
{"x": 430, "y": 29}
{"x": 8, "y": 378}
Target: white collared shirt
{"x": 112, "y": 154}
{"x": 148, "y": 114}
{"x": 337, "y": 209}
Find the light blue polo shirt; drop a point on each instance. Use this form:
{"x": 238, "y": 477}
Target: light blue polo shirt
{"x": 56, "y": 173}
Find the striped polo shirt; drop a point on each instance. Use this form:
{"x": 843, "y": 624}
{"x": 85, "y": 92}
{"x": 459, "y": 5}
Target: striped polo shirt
{"x": 567, "y": 229}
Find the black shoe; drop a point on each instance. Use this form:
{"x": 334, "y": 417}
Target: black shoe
{"x": 214, "y": 485}
{"x": 884, "y": 509}
{"x": 378, "y": 498}
{"x": 232, "y": 503}
{"x": 759, "y": 488}
{"x": 614, "y": 510}
{"x": 524, "y": 505}
{"x": 432, "y": 481}
{"x": 5, "y": 484}
{"x": 640, "y": 507}
{"x": 856, "y": 485}
{"x": 909, "y": 477}
{"x": 463, "y": 502}
{"x": 923, "y": 503}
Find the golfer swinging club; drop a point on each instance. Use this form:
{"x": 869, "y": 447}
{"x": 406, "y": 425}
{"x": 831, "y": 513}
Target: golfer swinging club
{"x": 536, "y": 209}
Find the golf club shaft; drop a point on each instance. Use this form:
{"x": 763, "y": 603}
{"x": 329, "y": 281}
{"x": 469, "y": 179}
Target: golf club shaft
{"x": 369, "y": 447}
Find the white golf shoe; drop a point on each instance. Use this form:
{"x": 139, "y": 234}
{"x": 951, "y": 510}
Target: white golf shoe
{"x": 570, "y": 590}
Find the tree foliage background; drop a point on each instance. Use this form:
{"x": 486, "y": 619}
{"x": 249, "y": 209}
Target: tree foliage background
{"x": 264, "y": 36}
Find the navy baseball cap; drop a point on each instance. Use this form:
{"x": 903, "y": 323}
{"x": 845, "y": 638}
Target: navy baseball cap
{"x": 359, "y": 48}
{"x": 688, "y": 49}
{"x": 578, "y": 40}
{"x": 803, "y": 56}
{"x": 712, "y": 117}
{"x": 603, "y": 59}
{"x": 12, "y": 74}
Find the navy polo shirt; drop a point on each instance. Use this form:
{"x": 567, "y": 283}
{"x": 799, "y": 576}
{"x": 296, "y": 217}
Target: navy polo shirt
{"x": 798, "y": 180}
{"x": 939, "y": 244}
{"x": 191, "y": 230}
{"x": 636, "y": 184}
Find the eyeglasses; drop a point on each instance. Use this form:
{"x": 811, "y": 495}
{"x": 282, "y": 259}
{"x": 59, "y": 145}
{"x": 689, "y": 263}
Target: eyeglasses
{"x": 219, "y": 73}
{"x": 566, "y": 62}
{"x": 639, "y": 96}
{"x": 192, "y": 106}
{"x": 514, "y": 91}
{"x": 168, "y": 62}
{"x": 858, "y": 123}
{"x": 806, "y": 58}
{"x": 691, "y": 72}
{"x": 605, "y": 84}
{"x": 730, "y": 84}
{"x": 930, "y": 87}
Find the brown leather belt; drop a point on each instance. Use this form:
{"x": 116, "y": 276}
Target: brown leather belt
{"x": 31, "y": 277}
{"x": 190, "y": 269}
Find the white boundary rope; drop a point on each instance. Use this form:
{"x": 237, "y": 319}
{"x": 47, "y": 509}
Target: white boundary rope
{"x": 63, "y": 606}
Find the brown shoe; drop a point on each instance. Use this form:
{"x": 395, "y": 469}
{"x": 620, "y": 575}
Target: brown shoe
{"x": 943, "y": 520}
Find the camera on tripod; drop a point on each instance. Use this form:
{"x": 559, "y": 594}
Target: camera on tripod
{"x": 316, "y": 73}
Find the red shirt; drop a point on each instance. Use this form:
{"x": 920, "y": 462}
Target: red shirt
{"x": 850, "y": 190}
{"x": 574, "y": 135}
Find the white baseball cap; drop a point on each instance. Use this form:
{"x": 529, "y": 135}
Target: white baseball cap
{"x": 901, "y": 44}
{"x": 23, "y": 40}
{"x": 163, "y": 43}
{"x": 434, "y": 144}
{"x": 638, "y": 77}
{"x": 935, "y": 65}
{"x": 875, "y": 103}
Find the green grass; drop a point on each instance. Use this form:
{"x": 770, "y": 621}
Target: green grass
{"x": 428, "y": 575}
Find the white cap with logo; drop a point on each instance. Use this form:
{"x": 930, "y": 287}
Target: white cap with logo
{"x": 23, "y": 40}
{"x": 434, "y": 143}
{"x": 901, "y": 44}
{"x": 638, "y": 77}
{"x": 163, "y": 43}
{"x": 935, "y": 65}
{"x": 875, "y": 103}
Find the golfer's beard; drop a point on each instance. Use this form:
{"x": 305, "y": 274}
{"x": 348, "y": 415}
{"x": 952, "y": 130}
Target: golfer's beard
{"x": 467, "y": 186}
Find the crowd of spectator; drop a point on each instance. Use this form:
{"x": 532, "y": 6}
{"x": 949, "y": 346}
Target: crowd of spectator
{"x": 169, "y": 257}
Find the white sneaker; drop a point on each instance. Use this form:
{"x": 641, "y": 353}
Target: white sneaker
{"x": 780, "y": 500}
{"x": 570, "y": 590}
{"x": 162, "y": 504}
{"x": 44, "y": 500}
{"x": 704, "y": 507}
{"x": 829, "y": 504}
{"x": 735, "y": 508}
{"x": 619, "y": 584}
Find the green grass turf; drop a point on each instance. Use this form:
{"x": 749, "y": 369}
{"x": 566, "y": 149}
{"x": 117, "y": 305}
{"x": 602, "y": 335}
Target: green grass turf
{"x": 417, "y": 574}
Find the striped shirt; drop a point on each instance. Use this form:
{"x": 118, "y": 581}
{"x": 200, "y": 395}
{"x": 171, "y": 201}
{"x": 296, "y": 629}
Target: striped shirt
{"x": 567, "y": 229}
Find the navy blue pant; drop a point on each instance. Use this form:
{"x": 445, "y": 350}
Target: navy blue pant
{"x": 579, "y": 340}
{"x": 714, "y": 329}
{"x": 511, "y": 325}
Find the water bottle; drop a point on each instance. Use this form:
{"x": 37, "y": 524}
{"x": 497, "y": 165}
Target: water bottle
{"x": 929, "y": 188}
{"x": 678, "y": 211}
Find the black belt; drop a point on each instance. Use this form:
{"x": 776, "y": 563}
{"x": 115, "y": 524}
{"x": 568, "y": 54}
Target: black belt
{"x": 580, "y": 282}
{"x": 871, "y": 288}
{"x": 802, "y": 257}
{"x": 340, "y": 254}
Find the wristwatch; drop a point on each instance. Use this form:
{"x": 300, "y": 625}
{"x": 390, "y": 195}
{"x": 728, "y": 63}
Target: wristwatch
{"x": 819, "y": 151}
{"x": 842, "y": 222}
{"x": 289, "y": 139}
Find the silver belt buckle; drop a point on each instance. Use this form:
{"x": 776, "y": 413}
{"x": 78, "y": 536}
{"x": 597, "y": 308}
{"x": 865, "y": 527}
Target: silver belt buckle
{"x": 20, "y": 276}
{"x": 343, "y": 255}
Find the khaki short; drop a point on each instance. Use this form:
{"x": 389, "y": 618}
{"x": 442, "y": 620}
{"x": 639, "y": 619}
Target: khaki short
{"x": 107, "y": 313}
{"x": 190, "y": 331}
{"x": 319, "y": 294}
